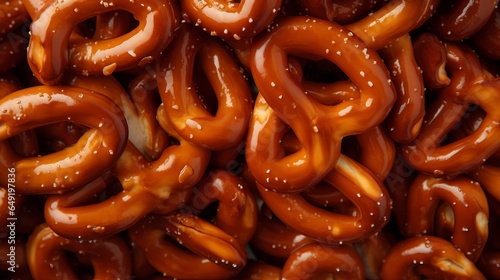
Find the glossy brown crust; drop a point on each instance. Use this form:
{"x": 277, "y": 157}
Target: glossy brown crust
{"x": 230, "y": 19}
{"x": 319, "y": 128}
{"x": 358, "y": 184}
{"x": 470, "y": 85}
{"x": 428, "y": 256}
{"x": 311, "y": 260}
{"x": 468, "y": 204}
{"x": 46, "y": 256}
{"x": 392, "y": 21}
{"x": 186, "y": 112}
{"x": 462, "y": 19}
{"x": 74, "y": 166}
{"x": 50, "y": 53}
{"x": 218, "y": 256}
{"x": 487, "y": 40}
{"x": 341, "y": 11}
{"x": 405, "y": 120}
{"x": 430, "y": 55}
{"x": 259, "y": 271}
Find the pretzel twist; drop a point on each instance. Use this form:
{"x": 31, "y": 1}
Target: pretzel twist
{"x": 218, "y": 256}
{"x": 310, "y": 260}
{"x": 405, "y": 120}
{"x": 46, "y": 255}
{"x": 74, "y": 166}
{"x": 462, "y": 19}
{"x": 470, "y": 85}
{"x": 50, "y": 53}
{"x": 229, "y": 19}
{"x": 358, "y": 184}
{"x": 468, "y": 203}
{"x": 185, "y": 111}
{"x": 392, "y": 20}
{"x": 427, "y": 256}
{"x": 319, "y": 128}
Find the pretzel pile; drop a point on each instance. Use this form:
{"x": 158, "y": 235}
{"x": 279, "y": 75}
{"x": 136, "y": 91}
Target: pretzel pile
{"x": 200, "y": 139}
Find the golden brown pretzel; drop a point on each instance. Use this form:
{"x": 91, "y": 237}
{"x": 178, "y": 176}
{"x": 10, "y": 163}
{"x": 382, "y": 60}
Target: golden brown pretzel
{"x": 358, "y": 184}
{"x": 74, "y": 166}
{"x": 237, "y": 208}
{"x": 314, "y": 259}
{"x": 405, "y": 120}
{"x": 230, "y": 19}
{"x": 461, "y": 19}
{"x": 392, "y": 20}
{"x": 468, "y": 203}
{"x": 46, "y": 255}
{"x": 427, "y": 256}
{"x": 139, "y": 109}
{"x": 319, "y": 127}
{"x": 49, "y": 51}
{"x": 186, "y": 112}
{"x": 470, "y": 86}
{"x": 218, "y": 256}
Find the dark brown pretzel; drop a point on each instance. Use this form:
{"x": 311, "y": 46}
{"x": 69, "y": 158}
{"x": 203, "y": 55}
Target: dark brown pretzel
{"x": 428, "y": 256}
{"x": 47, "y": 259}
{"x": 18, "y": 262}
{"x": 487, "y": 40}
{"x": 468, "y": 204}
{"x": 340, "y": 11}
{"x": 12, "y": 15}
{"x": 470, "y": 85}
{"x": 74, "y": 166}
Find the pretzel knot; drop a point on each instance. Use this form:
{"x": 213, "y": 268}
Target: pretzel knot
{"x": 427, "y": 256}
{"x": 320, "y": 128}
{"x": 47, "y": 258}
{"x": 96, "y": 151}
{"x": 231, "y": 19}
{"x": 469, "y": 210}
{"x": 218, "y": 256}
{"x": 50, "y": 52}
{"x": 469, "y": 85}
{"x": 186, "y": 111}
{"x": 358, "y": 184}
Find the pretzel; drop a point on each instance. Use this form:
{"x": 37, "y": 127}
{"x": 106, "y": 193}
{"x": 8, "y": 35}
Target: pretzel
{"x": 145, "y": 185}
{"x": 319, "y": 128}
{"x": 427, "y": 256}
{"x": 486, "y": 41}
{"x": 469, "y": 85}
{"x": 218, "y": 256}
{"x": 430, "y": 55}
{"x": 258, "y": 270}
{"x": 237, "y": 208}
{"x": 393, "y": 20}
{"x": 466, "y": 199}
{"x": 462, "y": 19}
{"x": 49, "y": 53}
{"x": 13, "y": 14}
{"x": 310, "y": 260}
{"x": 229, "y": 19}
{"x": 46, "y": 255}
{"x": 341, "y": 11}
{"x": 139, "y": 109}
{"x": 74, "y": 166}
{"x": 358, "y": 184}
{"x": 275, "y": 239}
{"x": 406, "y": 116}
{"x": 372, "y": 251}
{"x": 186, "y": 112}
{"x": 489, "y": 264}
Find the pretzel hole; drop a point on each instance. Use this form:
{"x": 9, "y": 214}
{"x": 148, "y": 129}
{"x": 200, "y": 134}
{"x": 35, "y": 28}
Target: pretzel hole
{"x": 111, "y": 25}
{"x": 80, "y": 264}
{"x": 204, "y": 91}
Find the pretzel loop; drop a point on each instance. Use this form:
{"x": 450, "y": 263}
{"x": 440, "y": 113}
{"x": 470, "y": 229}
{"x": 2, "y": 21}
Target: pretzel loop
{"x": 358, "y": 184}
{"x": 185, "y": 109}
{"x": 46, "y": 255}
{"x": 74, "y": 166}
{"x": 319, "y": 128}
{"x": 49, "y": 51}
